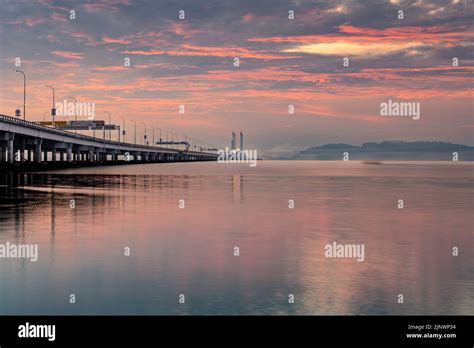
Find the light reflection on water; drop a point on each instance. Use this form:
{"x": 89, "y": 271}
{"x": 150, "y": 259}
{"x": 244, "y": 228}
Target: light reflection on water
{"x": 190, "y": 250}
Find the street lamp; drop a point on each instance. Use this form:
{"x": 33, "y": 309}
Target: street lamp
{"x": 153, "y": 143}
{"x": 108, "y": 113}
{"x": 24, "y": 93}
{"x": 135, "y": 130}
{"x": 75, "y": 115}
{"x": 123, "y": 130}
{"x": 172, "y": 139}
{"x": 53, "y": 110}
{"x": 144, "y": 138}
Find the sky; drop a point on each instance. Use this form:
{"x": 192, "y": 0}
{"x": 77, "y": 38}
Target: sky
{"x": 282, "y": 61}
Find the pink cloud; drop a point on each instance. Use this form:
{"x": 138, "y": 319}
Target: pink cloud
{"x": 104, "y": 5}
{"x": 349, "y": 33}
{"x": 111, "y": 68}
{"x": 57, "y": 17}
{"x": 109, "y": 40}
{"x": 248, "y": 17}
{"x": 182, "y": 29}
{"x": 67, "y": 54}
{"x": 144, "y": 53}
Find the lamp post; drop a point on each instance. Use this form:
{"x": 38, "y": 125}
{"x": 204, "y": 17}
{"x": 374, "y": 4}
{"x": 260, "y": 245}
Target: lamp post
{"x": 123, "y": 130}
{"x": 160, "y": 140}
{"x": 144, "y": 137}
{"x": 172, "y": 138}
{"x": 110, "y": 117}
{"x": 24, "y": 93}
{"x": 75, "y": 115}
{"x": 135, "y": 130}
{"x": 53, "y": 109}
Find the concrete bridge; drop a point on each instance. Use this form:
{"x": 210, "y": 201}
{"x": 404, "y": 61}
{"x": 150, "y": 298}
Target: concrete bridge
{"x": 24, "y": 141}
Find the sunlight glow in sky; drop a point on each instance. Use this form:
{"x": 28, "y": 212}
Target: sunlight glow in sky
{"x": 283, "y": 62}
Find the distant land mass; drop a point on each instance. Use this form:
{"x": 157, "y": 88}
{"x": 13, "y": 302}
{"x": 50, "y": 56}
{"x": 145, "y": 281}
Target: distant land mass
{"x": 389, "y": 151}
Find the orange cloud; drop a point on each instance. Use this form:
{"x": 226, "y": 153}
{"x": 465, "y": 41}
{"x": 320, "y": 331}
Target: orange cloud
{"x": 212, "y": 51}
{"x": 67, "y": 54}
{"x": 349, "y": 33}
{"x": 182, "y": 29}
{"x": 241, "y": 52}
{"x": 110, "y": 40}
{"x": 111, "y": 68}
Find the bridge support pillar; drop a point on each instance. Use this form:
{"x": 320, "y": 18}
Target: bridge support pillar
{"x": 53, "y": 154}
{"x": 69, "y": 153}
{"x": 38, "y": 150}
{"x": 22, "y": 151}
{"x": 3, "y": 153}
{"x": 11, "y": 151}
{"x": 11, "y": 147}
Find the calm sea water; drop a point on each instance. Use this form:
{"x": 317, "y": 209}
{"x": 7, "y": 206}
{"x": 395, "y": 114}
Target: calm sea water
{"x": 190, "y": 251}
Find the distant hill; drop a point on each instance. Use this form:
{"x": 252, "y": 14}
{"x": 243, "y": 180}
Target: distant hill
{"x": 390, "y": 151}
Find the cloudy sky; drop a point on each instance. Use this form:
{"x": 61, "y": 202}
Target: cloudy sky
{"x": 283, "y": 61}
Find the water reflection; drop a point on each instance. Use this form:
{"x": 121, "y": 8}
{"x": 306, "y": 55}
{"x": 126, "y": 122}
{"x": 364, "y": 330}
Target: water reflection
{"x": 190, "y": 250}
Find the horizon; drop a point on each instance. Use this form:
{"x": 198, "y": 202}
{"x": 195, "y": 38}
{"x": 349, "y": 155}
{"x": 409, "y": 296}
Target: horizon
{"x": 283, "y": 62}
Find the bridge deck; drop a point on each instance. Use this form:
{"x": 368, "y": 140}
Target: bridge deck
{"x": 22, "y": 141}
